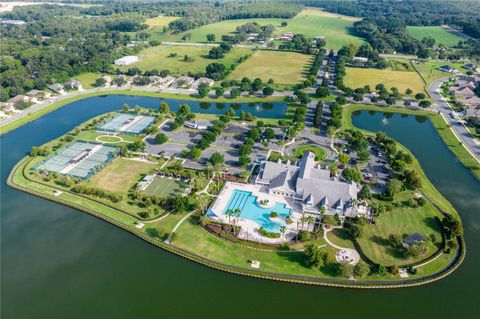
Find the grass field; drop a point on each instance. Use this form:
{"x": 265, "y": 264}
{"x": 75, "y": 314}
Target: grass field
{"x": 158, "y": 58}
{"x": 337, "y": 29}
{"x": 91, "y": 136}
{"x": 358, "y": 77}
{"x": 440, "y": 34}
{"x": 120, "y": 175}
{"x": 220, "y": 28}
{"x": 311, "y": 22}
{"x": 88, "y": 79}
{"x": 165, "y": 187}
{"x": 282, "y": 67}
{"x": 429, "y": 70}
{"x": 401, "y": 221}
{"x": 160, "y": 21}
{"x": 320, "y": 153}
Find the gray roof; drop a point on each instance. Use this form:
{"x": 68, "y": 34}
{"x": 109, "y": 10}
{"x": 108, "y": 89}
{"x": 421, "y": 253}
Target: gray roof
{"x": 413, "y": 239}
{"x": 310, "y": 183}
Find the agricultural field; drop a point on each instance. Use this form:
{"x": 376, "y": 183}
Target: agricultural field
{"x": 311, "y": 22}
{"x": 337, "y": 29}
{"x": 440, "y": 34}
{"x": 159, "y": 57}
{"x": 120, "y": 175}
{"x": 220, "y": 28}
{"x": 358, "y": 77}
{"x": 160, "y": 21}
{"x": 283, "y": 67}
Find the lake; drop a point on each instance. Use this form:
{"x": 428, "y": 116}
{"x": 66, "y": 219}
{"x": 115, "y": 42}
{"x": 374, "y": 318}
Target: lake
{"x": 58, "y": 262}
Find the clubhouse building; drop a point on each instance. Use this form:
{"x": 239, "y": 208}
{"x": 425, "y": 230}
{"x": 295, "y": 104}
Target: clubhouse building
{"x": 310, "y": 187}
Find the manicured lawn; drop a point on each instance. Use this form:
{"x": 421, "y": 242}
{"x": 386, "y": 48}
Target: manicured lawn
{"x": 440, "y": 34}
{"x": 320, "y": 153}
{"x": 165, "y": 187}
{"x": 282, "y": 67}
{"x": 120, "y": 175}
{"x": 196, "y": 239}
{"x": 160, "y": 21}
{"x": 158, "y": 58}
{"x": 358, "y": 77}
{"x": 400, "y": 221}
{"x": 340, "y": 238}
{"x": 91, "y": 136}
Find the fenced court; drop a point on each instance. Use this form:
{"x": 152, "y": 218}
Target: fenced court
{"x": 126, "y": 123}
{"x": 164, "y": 187}
{"x": 78, "y": 159}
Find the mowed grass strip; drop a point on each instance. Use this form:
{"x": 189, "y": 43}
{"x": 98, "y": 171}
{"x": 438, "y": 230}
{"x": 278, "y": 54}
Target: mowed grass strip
{"x": 159, "y": 58}
{"x": 282, "y": 67}
{"x": 402, "y": 80}
{"x": 120, "y": 175}
{"x": 440, "y": 34}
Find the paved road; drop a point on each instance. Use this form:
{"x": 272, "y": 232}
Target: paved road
{"x": 442, "y": 106}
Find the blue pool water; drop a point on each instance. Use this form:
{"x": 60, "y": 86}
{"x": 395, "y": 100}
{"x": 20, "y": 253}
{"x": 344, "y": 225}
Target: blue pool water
{"x": 247, "y": 203}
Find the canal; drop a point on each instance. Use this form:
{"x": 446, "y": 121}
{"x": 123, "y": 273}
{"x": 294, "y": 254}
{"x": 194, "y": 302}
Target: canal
{"x": 58, "y": 262}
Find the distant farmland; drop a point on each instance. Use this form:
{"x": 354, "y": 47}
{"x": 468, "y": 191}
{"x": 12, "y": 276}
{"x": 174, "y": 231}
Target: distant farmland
{"x": 337, "y": 29}
{"x": 440, "y": 34}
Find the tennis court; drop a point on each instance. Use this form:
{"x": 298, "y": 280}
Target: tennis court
{"x": 78, "y": 159}
{"x": 126, "y": 123}
{"x": 164, "y": 187}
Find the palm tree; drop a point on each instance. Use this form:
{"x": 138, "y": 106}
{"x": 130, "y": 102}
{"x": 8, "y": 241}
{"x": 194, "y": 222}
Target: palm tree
{"x": 310, "y": 220}
{"x": 209, "y": 169}
{"x": 303, "y": 219}
{"x": 236, "y": 215}
{"x": 229, "y": 213}
{"x": 283, "y": 229}
{"x": 333, "y": 167}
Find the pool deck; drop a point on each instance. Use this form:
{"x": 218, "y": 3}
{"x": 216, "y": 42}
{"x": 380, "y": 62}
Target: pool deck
{"x": 249, "y": 228}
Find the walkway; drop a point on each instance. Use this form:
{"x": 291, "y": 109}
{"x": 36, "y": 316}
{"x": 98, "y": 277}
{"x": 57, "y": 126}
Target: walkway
{"x": 167, "y": 241}
{"x": 351, "y": 253}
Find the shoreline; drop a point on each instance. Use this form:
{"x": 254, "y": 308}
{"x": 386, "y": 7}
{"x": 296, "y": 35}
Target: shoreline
{"x": 298, "y": 279}
{"x": 278, "y": 276}
{"x": 64, "y": 100}
{"x": 446, "y": 133}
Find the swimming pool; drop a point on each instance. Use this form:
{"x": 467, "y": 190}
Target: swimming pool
{"x": 247, "y": 203}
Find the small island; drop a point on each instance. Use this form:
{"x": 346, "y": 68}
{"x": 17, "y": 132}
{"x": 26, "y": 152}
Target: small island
{"x": 223, "y": 191}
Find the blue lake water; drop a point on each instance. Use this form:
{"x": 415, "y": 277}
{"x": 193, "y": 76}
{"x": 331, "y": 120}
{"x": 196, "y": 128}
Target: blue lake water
{"x": 247, "y": 203}
{"x": 274, "y": 110}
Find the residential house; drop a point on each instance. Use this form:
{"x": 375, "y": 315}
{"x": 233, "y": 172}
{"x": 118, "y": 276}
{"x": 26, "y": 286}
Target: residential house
{"x": 200, "y": 81}
{"x": 413, "y": 239}
{"x": 16, "y": 100}
{"x": 466, "y": 90}
{"x": 58, "y": 88}
{"x": 36, "y": 96}
{"x": 74, "y": 84}
{"x": 166, "y": 81}
{"x": 309, "y": 186}
{"x": 469, "y": 66}
{"x": 107, "y": 80}
{"x": 447, "y": 68}
{"x": 183, "y": 82}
